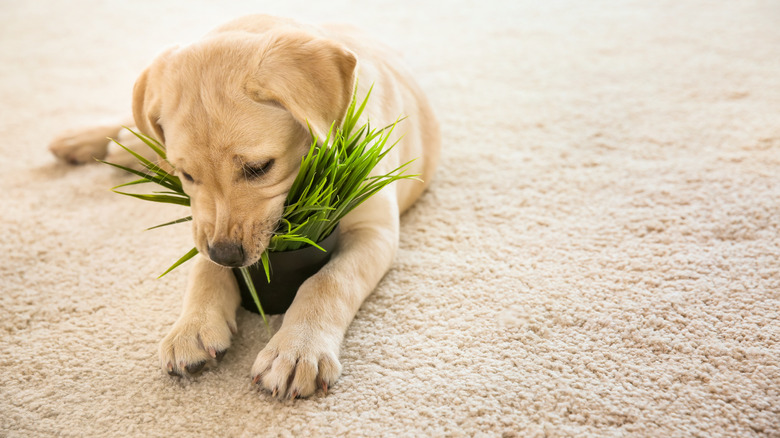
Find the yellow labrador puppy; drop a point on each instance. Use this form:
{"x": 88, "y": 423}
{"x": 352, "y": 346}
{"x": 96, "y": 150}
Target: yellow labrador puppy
{"x": 232, "y": 110}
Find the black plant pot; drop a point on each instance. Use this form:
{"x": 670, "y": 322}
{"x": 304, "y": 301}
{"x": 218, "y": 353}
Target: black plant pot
{"x": 289, "y": 269}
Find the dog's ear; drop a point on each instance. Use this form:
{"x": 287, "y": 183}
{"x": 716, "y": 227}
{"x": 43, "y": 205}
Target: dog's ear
{"x": 313, "y": 78}
{"x": 147, "y": 100}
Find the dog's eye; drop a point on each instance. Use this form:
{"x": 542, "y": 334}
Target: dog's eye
{"x": 187, "y": 176}
{"x": 257, "y": 170}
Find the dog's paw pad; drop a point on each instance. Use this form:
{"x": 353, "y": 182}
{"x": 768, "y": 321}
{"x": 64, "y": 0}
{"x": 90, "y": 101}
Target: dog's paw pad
{"x": 195, "y": 368}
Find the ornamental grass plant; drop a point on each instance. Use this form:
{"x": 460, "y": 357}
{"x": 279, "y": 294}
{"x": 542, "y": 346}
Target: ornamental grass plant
{"x": 334, "y": 178}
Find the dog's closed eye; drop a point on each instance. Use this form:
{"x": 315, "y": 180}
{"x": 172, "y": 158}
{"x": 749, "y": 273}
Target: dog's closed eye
{"x": 256, "y": 170}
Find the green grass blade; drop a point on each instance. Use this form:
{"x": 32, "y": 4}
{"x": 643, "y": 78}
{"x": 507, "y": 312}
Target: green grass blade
{"x": 144, "y": 175}
{"x": 167, "y": 199}
{"x": 156, "y": 146}
{"x": 132, "y": 183}
{"x": 252, "y": 291}
{"x": 148, "y": 164}
{"x": 266, "y": 265}
{"x": 193, "y": 252}
{"x": 170, "y": 182}
{"x": 177, "y": 221}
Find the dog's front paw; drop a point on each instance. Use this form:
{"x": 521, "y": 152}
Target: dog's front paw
{"x": 297, "y": 361}
{"x": 195, "y": 341}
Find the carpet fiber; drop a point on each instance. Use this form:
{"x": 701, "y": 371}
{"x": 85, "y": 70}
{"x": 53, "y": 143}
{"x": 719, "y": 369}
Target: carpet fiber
{"x": 598, "y": 254}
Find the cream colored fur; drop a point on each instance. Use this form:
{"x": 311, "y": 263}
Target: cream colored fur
{"x": 237, "y": 99}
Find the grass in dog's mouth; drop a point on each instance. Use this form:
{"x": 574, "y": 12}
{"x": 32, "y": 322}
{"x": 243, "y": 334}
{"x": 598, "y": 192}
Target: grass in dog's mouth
{"x": 334, "y": 178}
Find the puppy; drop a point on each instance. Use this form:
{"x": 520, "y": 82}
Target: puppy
{"x": 234, "y": 111}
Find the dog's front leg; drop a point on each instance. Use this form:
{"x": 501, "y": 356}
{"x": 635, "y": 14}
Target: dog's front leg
{"x": 304, "y": 354}
{"x": 207, "y": 321}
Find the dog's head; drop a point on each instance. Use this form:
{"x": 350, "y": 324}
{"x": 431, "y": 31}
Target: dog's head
{"x": 233, "y": 112}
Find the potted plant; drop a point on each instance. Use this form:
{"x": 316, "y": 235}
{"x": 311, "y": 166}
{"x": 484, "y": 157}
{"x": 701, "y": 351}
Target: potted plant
{"x": 334, "y": 178}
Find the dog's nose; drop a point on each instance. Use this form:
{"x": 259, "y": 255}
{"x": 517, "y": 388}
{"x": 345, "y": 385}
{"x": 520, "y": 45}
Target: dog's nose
{"x": 227, "y": 254}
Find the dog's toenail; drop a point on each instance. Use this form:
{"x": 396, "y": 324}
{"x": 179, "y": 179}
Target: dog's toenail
{"x": 171, "y": 371}
{"x": 220, "y": 354}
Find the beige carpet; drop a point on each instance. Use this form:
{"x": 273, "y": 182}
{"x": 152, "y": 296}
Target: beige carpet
{"x": 599, "y": 255}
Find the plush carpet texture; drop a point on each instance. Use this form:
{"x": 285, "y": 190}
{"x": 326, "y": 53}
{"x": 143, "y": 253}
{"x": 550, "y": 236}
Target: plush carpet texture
{"x": 599, "y": 254}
